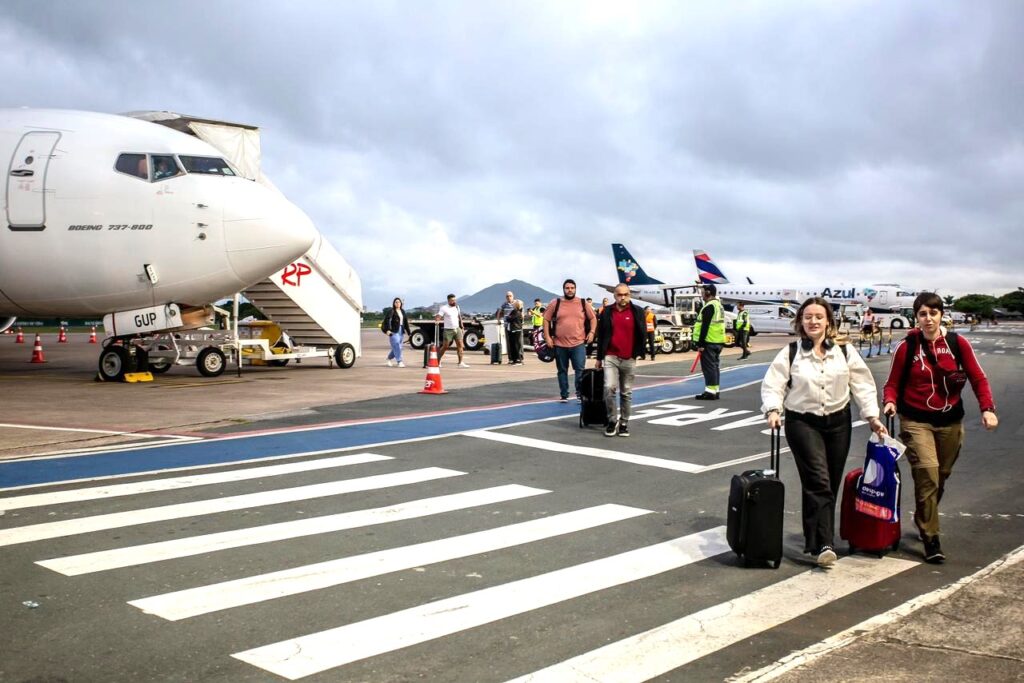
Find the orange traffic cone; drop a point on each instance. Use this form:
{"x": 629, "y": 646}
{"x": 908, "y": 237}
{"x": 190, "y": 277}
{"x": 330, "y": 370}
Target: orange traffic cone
{"x": 62, "y": 338}
{"x": 92, "y": 336}
{"x": 20, "y": 339}
{"x": 433, "y": 383}
{"x": 37, "y": 351}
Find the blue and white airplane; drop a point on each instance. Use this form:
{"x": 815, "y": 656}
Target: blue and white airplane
{"x": 881, "y": 298}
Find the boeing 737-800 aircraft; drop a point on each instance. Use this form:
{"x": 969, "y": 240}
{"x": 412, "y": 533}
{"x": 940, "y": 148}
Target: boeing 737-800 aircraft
{"x": 106, "y": 214}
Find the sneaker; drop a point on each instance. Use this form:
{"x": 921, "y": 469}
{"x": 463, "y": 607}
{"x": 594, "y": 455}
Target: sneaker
{"x": 463, "y": 365}
{"x": 826, "y": 556}
{"x": 707, "y": 396}
{"x": 579, "y": 399}
{"x": 623, "y": 429}
{"x": 933, "y": 551}
{"x": 390, "y": 364}
{"x": 401, "y": 364}
{"x": 564, "y": 399}
{"x": 611, "y": 429}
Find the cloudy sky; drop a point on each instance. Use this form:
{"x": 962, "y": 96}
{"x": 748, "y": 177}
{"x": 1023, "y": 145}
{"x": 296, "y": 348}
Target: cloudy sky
{"x": 446, "y": 146}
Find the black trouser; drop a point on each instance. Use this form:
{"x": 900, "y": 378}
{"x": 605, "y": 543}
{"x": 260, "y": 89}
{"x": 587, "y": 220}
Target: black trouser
{"x": 742, "y": 337}
{"x": 650, "y": 343}
{"x": 709, "y": 366}
{"x": 515, "y": 345}
{"x": 820, "y": 445}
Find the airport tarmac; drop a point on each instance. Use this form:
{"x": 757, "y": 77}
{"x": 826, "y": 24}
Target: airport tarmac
{"x": 50, "y": 407}
{"x": 376, "y": 534}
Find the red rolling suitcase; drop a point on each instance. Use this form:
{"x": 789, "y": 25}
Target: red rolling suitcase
{"x": 861, "y": 531}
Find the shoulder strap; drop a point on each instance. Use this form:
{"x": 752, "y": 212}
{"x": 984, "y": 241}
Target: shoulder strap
{"x": 792, "y": 357}
{"x": 953, "y": 341}
{"x": 910, "y": 344}
{"x": 846, "y": 354}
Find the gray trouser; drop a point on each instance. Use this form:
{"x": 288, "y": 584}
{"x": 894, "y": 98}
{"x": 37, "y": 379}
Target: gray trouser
{"x": 618, "y": 376}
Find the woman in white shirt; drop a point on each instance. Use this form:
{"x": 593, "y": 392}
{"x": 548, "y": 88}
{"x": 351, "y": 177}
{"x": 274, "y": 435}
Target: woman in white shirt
{"x": 813, "y": 393}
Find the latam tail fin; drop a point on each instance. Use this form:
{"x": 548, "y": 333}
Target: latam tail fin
{"x": 709, "y": 273}
{"x": 629, "y": 270}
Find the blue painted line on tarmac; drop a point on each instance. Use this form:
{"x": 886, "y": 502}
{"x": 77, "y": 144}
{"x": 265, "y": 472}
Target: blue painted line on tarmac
{"x": 303, "y": 439}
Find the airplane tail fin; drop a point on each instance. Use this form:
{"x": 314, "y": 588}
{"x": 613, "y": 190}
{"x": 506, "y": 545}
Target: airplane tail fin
{"x": 709, "y": 273}
{"x": 629, "y": 270}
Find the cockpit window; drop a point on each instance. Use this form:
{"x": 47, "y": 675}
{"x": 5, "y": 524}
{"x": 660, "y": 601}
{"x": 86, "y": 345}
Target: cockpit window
{"x": 133, "y": 164}
{"x": 206, "y": 165}
{"x": 164, "y": 166}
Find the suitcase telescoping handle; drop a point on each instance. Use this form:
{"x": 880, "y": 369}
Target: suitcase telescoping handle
{"x": 890, "y": 425}
{"x": 776, "y": 458}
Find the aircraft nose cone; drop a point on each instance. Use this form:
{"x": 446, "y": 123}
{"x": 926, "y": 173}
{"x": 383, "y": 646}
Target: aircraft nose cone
{"x": 269, "y": 234}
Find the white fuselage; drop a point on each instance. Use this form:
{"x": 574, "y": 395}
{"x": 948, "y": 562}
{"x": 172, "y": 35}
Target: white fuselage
{"x": 78, "y": 237}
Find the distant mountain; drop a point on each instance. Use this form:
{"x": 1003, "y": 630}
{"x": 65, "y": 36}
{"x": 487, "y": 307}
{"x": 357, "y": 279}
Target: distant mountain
{"x": 487, "y": 300}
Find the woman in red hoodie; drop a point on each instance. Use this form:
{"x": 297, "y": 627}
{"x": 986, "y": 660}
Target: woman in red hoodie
{"x": 928, "y": 372}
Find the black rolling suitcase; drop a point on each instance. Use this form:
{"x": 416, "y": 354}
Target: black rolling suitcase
{"x": 756, "y": 502}
{"x": 495, "y": 353}
{"x": 592, "y": 408}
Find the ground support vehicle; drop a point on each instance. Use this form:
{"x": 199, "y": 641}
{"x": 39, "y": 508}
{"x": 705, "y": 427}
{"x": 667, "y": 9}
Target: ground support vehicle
{"x": 424, "y": 332}
{"x": 211, "y": 351}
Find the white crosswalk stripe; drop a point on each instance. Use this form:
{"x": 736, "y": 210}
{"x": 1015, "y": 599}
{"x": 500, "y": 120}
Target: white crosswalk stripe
{"x": 190, "y": 603}
{"x": 173, "y": 483}
{"x": 298, "y": 657}
{"x": 196, "y": 545}
{"x": 68, "y": 527}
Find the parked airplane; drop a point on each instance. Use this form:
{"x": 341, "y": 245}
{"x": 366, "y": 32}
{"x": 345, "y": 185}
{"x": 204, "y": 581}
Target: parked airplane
{"x": 107, "y": 214}
{"x": 884, "y": 299}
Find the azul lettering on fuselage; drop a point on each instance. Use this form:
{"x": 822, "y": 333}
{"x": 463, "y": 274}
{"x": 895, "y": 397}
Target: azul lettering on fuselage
{"x": 839, "y": 293}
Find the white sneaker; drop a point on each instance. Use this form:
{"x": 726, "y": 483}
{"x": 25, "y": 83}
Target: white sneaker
{"x": 463, "y": 365}
{"x": 401, "y": 364}
{"x": 826, "y": 557}
{"x": 390, "y": 364}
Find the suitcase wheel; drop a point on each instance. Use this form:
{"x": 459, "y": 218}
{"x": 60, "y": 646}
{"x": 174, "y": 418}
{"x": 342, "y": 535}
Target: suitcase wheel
{"x": 895, "y": 546}
{"x": 776, "y": 564}
{"x": 853, "y": 549}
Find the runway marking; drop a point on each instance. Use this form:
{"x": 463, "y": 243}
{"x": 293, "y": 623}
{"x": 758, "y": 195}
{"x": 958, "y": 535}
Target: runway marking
{"x": 115, "y": 520}
{"x": 317, "y": 652}
{"x": 153, "y": 485}
{"x": 205, "y": 599}
{"x": 672, "y": 645}
{"x": 74, "y": 565}
{"x": 528, "y": 442}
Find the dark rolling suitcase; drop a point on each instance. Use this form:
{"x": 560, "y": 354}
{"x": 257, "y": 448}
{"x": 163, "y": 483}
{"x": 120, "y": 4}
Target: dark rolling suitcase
{"x": 592, "y": 408}
{"x": 495, "y": 353}
{"x": 862, "y": 531}
{"x": 756, "y": 507}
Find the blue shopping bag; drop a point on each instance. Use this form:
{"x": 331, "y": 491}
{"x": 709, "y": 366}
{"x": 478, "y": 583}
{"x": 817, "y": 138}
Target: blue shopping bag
{"x": 878, "y": 490}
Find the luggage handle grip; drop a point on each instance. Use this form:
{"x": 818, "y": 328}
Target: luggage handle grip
{"x": 776, "y": 450}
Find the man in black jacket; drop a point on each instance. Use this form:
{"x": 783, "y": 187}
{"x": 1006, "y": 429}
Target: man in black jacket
{"x": 621, "y": 333}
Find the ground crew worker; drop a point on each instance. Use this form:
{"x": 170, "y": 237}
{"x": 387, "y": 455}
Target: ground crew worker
{"x": 709, "y": 331}
{"x": 649, "y": 319}
{"x": 742, "y": 327}
{"x": 537, "y": 314}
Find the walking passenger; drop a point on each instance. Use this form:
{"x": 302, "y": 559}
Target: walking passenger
{"x": 451, "y": 314}
{"x": 928, "y": 373}
{"x": 742, "y": 328}
{"x": 395, "y": 325}
{"x": 569, "y": 325}
{"x": 620, "y": 341}
{"x": 650, "y": 328}
{"x": 813, "y": 392}
{"x": 709, "y": 333}
{"x": 515, "y": 333}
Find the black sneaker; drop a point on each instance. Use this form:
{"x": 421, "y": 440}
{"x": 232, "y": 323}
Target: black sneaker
{"x": 623, "y": 429}
{"x": 933, "y": 551}
{"x": 826, "y": 556}
{"x": 611, "y": 429}
{"x": 707, "y": 396}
